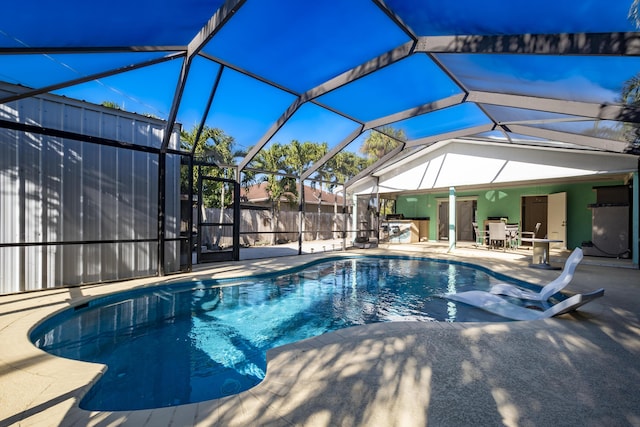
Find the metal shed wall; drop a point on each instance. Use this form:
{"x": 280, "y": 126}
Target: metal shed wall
{"x": 57, "y": 191}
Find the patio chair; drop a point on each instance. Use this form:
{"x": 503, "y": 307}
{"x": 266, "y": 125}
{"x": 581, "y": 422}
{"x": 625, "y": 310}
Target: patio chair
{"x": 513, "y": 235}
{"x": 481, "y": 235}
{"x": 497, "y": 305}
{"x": 550, "y": 288}
{"x": 498, "y": 235}
{"x": 531, "y": 234}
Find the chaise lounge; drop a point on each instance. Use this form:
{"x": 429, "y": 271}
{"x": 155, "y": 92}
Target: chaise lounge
{"x": 497, "y": 305}
{"x": 548, "y": 290}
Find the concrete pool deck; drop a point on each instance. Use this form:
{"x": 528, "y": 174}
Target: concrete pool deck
{"x": 577, "y": 369}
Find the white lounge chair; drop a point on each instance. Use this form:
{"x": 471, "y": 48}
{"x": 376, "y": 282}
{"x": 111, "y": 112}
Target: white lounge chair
{"x": 497, "y": 305}
{"x": 548, "y": 290}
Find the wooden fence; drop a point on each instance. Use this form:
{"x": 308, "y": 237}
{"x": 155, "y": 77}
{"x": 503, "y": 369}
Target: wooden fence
{"x": 261, "y": 227}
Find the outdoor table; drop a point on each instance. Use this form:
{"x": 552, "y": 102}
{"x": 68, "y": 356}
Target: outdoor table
{"x": 540, "y": 257}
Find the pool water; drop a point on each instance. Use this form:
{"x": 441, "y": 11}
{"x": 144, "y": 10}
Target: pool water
{"x": 199, "y": 341}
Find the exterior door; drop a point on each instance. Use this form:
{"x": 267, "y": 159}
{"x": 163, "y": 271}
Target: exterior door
{"x": 557, "y": 219}
{"x": 443, "y": 221}
{"x": 534, "y": 211}
{"x": 464, "y": 217}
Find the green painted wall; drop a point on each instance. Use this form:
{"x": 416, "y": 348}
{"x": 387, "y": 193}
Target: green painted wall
{"x": 506, "y": 202}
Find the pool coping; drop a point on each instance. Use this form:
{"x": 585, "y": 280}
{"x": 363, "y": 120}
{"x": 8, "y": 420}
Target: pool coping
{"x": 40, "y": 389}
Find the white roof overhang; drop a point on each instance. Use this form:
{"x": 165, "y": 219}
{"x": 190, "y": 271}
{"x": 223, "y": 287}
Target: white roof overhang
{"x": 462, "y": 163}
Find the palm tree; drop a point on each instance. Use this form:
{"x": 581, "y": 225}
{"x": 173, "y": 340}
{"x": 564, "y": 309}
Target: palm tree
{"x": 634, "y": 13}
{"x": 631, "y": 88}
{"x": 381, "y": 142}
{"x": 631, "y": 91}
{"x": 301, "y": 157}
{"x": 214, "y": 145}
{"x": 273, "y": 159}
{"x": 344, "y": 166}
{"x": 631, "y": 96}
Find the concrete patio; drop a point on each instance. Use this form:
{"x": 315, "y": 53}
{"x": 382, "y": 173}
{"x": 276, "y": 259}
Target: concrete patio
{"x": 578, "y": 369}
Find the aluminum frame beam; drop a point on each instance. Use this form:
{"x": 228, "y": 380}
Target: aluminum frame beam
{"x": 215, "y": 23}
{"x": 362, "y": 70}
{"x": 616, "y": 44}
{"x": 582, "y": 140}
{"x": 269, "y": 134}
{"x": 369, "y": 170}
{"x": 417, "y": 111}
{"x": 625, "y": 113}
{"x": 450, "y": 135}
{"x": 68, "y": 83}
{"x": 317, "y": 165}
{"x": 401, "y": 52}
{"x": 44, "y": 50}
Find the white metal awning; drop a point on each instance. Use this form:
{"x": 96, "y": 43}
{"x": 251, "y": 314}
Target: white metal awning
{"x": 461, "y": 163}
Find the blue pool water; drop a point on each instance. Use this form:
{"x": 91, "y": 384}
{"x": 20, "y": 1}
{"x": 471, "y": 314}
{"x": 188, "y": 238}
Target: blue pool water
{"x": 192, "y": 342}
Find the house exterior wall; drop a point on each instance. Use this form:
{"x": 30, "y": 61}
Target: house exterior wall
{"x": 507, "y": 202}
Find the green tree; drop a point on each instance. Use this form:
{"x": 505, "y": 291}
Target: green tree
{"x": 631, "y": 91}
{"x": 213, "y": 146}
{"x": 344, "y": 166}
{"x": 301, "y": 157}
{"x": 110, "y": 104}
{"x": 631, "y": 96}
{"x": 279, "y": 186}
{"x": 631, "y": 88}
{"x": 381, "y": 142}
{"x": 634, "y": 13}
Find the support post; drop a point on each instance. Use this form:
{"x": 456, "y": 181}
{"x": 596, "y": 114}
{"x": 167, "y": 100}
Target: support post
{"x": 635, "y": 228}
{"x": 190, "y": 216}
{"x": 162, "y": 174}
{"x": 301, "y": 217}
{"x": 354, "y": 218}
{"x": 452, "y": 218}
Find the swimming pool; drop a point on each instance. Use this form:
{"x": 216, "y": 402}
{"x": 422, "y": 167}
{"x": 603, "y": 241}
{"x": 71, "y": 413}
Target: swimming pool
{"x": 192, "y": 342}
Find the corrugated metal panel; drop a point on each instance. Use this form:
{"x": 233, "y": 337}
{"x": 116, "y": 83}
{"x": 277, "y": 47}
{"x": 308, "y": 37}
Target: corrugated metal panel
{"x": 108, "y": 127}
{"x": 145, "y": 205}
{"x": 33, "y": 267}
{"x": 142, "y": 134}
{"x": 91, "y": 268}
{"x": 172, "y": 256}
{"x": 9, "y": 273}
{"x": 10, "y": 189}
{"x": 172, "y": 205}
{"x": 57, "y": 190}
{"x": 174, "y": 141}
{"x": 9, "y": 186}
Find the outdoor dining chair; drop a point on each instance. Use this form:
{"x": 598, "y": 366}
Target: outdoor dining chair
{"x": 498, "y": 235}
{"x": 481, "y": 235}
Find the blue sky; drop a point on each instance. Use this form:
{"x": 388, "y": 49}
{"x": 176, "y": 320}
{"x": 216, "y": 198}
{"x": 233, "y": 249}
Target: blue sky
{"x": 300, "y": 55}
{"x": 246, "y": 108}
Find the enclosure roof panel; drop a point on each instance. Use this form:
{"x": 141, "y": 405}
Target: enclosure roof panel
{"x": 77, "y": 23}
{"x": 492, "y": 17}
{"x": 553, "y": 75}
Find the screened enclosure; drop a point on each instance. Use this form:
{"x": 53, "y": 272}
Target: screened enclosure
{"x": 131, "y": 132}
